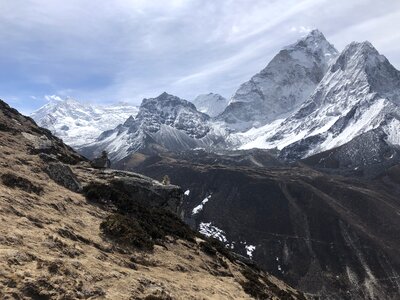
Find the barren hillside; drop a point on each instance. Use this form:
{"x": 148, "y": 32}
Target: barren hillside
{"x": 69, "y": 231}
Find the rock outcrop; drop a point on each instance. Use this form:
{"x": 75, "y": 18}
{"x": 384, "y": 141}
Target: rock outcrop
{"x": 63, "y": 175}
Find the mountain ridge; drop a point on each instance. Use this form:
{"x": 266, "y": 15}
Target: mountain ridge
{"x": 311, "y": 124}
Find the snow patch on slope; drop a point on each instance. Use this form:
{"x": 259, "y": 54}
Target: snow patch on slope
{"x": 393, "y": 132}
{"x": 199, "y": 207}
{"x": 210, "y": 230}
{"x": 249, "y": 250}
{"x": 355, "y": 128}
{"x": 256, "y": 137}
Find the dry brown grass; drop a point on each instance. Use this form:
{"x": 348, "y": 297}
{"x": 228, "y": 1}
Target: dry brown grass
{"x": 52, "y": 245}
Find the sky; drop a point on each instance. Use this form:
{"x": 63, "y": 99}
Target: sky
{"x": 103, "y": 52}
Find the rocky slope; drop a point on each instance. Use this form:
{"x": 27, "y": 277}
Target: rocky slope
{"x": 210, "y": 104}
{"x": 74, "y": 232}
{"x": 332, "y": 237}
{"x": 367, "y": 155}
{"x": 78, "y": 124}
{"x": 282, "y": 87}
{"x": 164, "y": 123}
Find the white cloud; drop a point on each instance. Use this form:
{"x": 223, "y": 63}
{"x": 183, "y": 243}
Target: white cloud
{"x": 49, "y": 98}
{"x": 301, "y": 29}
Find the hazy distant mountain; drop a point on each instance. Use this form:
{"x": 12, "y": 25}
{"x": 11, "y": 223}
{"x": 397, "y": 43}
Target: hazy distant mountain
{"x": 210, "y": 104}
{"x": 78, "y": 123}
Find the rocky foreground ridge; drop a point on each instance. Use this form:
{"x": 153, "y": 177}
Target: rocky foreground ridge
{"x": 70, "y": 231}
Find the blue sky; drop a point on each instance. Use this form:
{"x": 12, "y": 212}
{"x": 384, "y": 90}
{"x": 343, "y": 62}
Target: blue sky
{"x": 124, "y": 50}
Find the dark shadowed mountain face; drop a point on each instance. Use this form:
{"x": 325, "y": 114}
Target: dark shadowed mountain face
{"x": 330, "y": 236}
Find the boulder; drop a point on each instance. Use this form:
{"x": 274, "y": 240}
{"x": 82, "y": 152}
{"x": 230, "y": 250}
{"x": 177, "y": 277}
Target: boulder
{"x": 63, "y": 175}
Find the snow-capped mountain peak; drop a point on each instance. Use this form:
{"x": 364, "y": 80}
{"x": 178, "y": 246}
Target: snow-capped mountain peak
{"x": 315, "y": 42}
{"x": 283, "y": 85}
{"x": 379, "y": 73}
{"x": 172, "y": 111}
{"x": 361, "y": 55}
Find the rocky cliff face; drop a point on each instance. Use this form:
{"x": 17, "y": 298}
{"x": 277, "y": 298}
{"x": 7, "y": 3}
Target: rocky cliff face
{"x": 75, "y": 232}
{"x": 282, "y": 87}
{"x": 40, "y": 140}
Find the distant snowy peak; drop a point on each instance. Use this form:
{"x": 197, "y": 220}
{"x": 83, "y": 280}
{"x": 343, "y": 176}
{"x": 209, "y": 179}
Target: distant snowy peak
{"x": 63, "y": 108}
{"x": 210, "y": 104}
{"x": 77, "y": 123}
{"x": 283, "y": 86}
